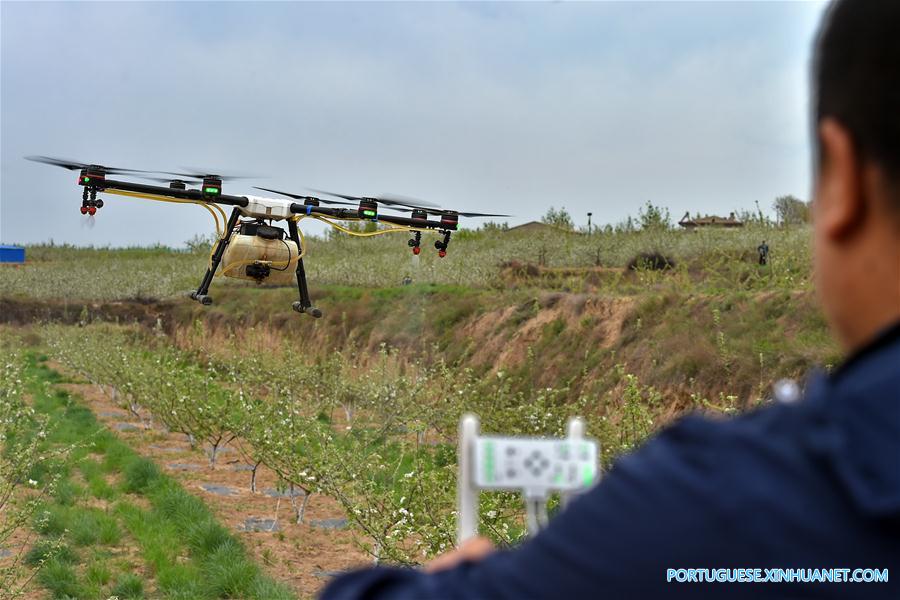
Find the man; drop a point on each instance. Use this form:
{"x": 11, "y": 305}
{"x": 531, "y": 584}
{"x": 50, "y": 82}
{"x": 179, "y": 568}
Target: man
{"x": 812, "y": 484}
{"x": 763, "y": 251}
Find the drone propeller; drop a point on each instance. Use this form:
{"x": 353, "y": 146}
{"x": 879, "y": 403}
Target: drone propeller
{"x": 186, "y": 180}
{"x": 304, "y": 198}
{"x": 389, "y": 199}
{"x": 194, "y": 173}
{"x": 443, "y": 212}
{"x": 74, "y": 165}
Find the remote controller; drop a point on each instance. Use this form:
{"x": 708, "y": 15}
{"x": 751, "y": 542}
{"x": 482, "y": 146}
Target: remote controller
{"x": 537, "y": 467}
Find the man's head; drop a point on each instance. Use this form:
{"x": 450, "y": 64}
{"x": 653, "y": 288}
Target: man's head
{"x": 856, "y": 87}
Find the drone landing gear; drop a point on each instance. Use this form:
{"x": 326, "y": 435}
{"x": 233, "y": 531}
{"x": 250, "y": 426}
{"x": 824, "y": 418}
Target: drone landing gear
{"x": 201, "y": 294}
{"x": 304, "y": 305}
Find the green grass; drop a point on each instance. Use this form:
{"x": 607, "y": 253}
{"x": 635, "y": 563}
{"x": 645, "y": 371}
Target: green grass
{"x": 60, "y": 579}
{"x": 190, "y": 554}
{"x": 128, "y": 587}
{"x": 140, "y": 476}
{"x": 46, "y": 549}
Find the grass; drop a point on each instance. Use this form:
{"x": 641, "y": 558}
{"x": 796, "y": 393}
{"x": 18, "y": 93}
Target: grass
{"x": 60, "y": 579}
{"x": 706, "y": 260}
{"x": 190, "y": 554}
{"x": 128, "y": 587}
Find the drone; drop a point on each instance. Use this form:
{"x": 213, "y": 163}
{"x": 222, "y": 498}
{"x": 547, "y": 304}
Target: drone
{"x": 251, "y": 244}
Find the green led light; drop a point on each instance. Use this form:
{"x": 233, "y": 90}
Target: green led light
{"x": 211, "y": 190}
{"x": 86, "y": 179}
{"x": 587, "y": 475}
{"x": 369, "y": 213}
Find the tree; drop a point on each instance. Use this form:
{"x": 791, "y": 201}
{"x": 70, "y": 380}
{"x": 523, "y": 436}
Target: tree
{"x": 559, "y": 218}
{"x": 494, "y": 226}
{"x": 791, "y": 210}
{"x": 654, "y": 217}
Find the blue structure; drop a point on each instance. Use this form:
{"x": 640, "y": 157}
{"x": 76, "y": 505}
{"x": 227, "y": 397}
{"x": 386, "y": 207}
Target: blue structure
{"x": 12, "y": 254}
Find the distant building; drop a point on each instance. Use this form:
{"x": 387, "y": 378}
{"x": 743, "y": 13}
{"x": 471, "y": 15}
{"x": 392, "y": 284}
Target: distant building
{"x": 709, "y": 221}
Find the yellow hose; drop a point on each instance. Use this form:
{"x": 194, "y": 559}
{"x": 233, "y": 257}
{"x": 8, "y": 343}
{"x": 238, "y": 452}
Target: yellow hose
{"x": 367, "y": 233}
{"x": 220, "y": 226}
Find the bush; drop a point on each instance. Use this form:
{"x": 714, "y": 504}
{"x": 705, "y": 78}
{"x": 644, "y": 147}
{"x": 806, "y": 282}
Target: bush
{"x": 653, "y": 261}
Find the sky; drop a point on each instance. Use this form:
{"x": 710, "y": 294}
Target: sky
{"x": 493, "y": 107}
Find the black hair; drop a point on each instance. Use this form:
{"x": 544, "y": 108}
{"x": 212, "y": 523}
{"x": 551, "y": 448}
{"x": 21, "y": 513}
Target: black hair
{"x": 856, "y": 79}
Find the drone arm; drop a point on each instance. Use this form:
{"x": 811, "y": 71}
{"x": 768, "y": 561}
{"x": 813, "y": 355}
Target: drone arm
{"x": 159, "y": 190}
{"x": 346, "y": 213}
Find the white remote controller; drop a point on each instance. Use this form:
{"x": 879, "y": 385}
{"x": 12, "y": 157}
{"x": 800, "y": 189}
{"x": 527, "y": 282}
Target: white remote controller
{"x": 537, "y": 467}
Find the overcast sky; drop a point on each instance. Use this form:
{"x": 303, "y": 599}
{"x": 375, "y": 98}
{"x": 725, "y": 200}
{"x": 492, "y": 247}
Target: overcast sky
{"x": 509, "y": 107}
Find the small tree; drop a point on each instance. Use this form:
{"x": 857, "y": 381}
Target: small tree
{"x": 559, "y": 218}
{"x": 791, "y": 210}
{"x": 494, "y": 226}
{"x": 654, "y": 217}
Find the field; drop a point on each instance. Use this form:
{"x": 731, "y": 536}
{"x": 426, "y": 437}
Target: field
{"x": 132, "y": 413}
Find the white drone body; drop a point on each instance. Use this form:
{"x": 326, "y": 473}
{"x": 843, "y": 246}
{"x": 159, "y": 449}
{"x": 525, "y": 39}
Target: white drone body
{"x": 259, "y": 207}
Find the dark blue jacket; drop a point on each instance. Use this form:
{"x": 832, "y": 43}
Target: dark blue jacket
{"x": 814, "y": 484}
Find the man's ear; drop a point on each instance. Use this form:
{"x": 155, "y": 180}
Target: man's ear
{"x": 841, "y": 192}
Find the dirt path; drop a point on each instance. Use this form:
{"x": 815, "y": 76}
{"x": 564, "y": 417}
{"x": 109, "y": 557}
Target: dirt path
{"x": 304, "y": 556}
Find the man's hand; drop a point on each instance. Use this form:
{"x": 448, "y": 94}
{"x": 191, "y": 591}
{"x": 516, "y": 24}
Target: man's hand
{"x": 473, "y": 549}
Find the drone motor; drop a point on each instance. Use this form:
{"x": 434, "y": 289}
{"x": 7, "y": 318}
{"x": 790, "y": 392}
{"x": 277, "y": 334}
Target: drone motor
{"x": 212, "y": 187}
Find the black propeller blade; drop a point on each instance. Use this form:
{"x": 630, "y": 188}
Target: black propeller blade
{"x": 74, "y": 165}
{"x": 442, "y": 212}
{"x": 390, "y": 199}
{"x": 194, "y": 173}
{"x": 304, "y": 198}
{"x": 186, "y": 180}
{"x": 412, "y": 204}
